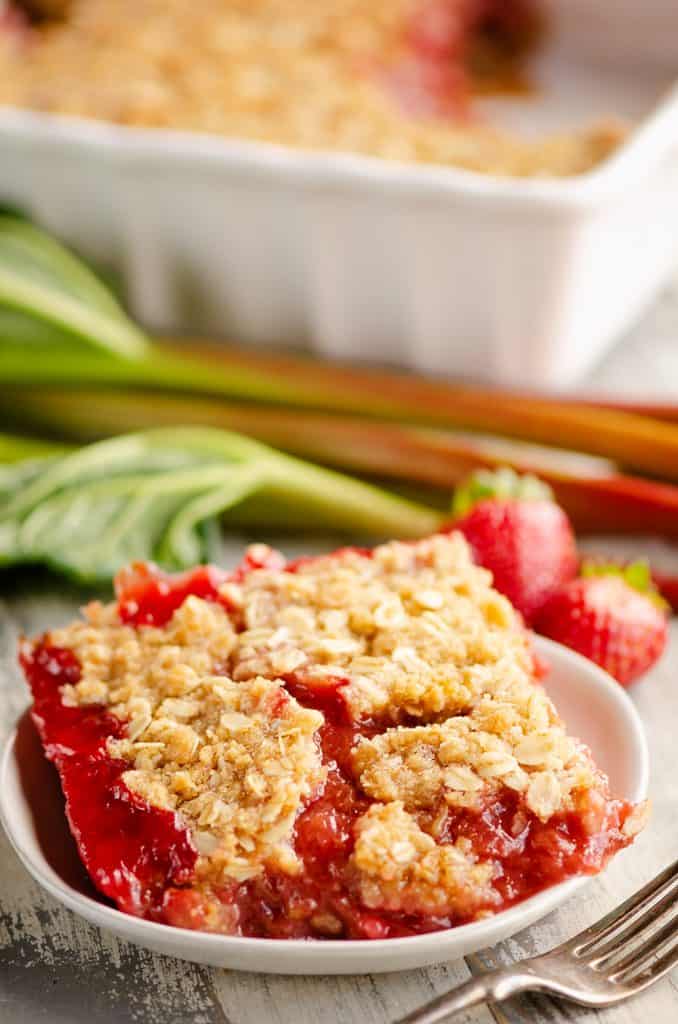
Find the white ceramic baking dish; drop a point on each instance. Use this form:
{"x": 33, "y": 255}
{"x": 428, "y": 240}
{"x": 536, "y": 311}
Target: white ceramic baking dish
{"x": 518, "y": 281}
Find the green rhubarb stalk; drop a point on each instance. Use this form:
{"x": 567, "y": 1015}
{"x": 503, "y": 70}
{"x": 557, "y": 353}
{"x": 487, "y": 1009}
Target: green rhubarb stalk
{"x": 16, "y": 449}
{"x": 657, "y": 410}
{"x": 639, "y": 443}
{"x": 50, "y": 304}
{"x": 596, "y": 496}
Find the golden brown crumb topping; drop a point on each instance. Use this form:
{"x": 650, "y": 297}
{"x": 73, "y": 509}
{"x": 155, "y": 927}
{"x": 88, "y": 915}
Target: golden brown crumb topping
{"x": 399, "y": 867}
{"x": 235, "y": 759}
{"x": 460, "y": 761}
{"x": 298, "y": 73}
{"x": 416, "y": 628}
{"x": 133, "y": 670}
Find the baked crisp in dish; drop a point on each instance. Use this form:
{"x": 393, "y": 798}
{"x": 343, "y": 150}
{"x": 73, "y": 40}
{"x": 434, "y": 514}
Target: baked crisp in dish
{"x": 388, "y": 78}
{"x": 351, "y": 746}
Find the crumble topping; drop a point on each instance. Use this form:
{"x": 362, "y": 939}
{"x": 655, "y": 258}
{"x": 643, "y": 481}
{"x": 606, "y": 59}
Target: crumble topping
{"x": 323, "y": 76}
{"x": 133, "y": 670}
{"x": 236, "y": 760}
{"x": 415, "y": 629}
{"x": 400, "y": 868}
{"x": 461, "y": 761}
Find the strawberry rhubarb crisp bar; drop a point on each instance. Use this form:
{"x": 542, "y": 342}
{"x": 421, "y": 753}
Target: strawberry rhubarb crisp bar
{"x": 351, "y": 746}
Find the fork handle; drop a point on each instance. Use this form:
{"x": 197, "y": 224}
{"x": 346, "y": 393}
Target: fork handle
{"x": 493, "y": 987}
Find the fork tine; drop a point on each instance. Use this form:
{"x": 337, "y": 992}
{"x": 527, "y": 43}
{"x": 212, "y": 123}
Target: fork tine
{"x": 609, "y": 925}
{"x": 661, "y": 967}
{"x": 626, "y": 933}
{"x": 635, "y": 962}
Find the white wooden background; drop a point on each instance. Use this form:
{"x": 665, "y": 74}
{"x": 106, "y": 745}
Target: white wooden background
{"x": 57, "y": 969}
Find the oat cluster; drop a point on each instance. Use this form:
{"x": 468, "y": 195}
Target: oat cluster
{"x": 423, "y": 645}
{"x": 399, "y": 867}
{"x": 465, "y": 760}
{"x": 309, "y": 75}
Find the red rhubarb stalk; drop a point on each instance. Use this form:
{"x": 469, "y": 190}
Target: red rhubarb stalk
{"x": 596, "y": 496}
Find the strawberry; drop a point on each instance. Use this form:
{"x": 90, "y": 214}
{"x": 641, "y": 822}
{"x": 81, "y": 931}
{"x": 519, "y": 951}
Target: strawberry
{"x": 612, "y": 615}
{"x": 516, "y": 530}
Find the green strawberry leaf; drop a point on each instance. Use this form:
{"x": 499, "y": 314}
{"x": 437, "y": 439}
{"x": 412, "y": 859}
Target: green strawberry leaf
{"x": 502, "y": 484}
{"x": 637, "y": 575}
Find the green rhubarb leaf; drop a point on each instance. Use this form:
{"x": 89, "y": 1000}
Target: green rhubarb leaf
{"x": 187, "y": 537}
{"x": 159, "y": 496}
{"x": 48, "y": 295}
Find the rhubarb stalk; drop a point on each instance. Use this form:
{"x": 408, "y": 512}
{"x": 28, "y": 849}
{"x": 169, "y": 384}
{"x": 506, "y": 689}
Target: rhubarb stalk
{"x": 60, "y": 325}
{"x": 596, "y": 496}
{"x": 637, "y": 442}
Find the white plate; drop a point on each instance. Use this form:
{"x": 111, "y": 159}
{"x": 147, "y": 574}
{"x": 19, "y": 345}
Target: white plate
{"x": 595, "y": 708}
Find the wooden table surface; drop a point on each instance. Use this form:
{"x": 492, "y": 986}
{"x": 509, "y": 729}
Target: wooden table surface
{"x": 56, "y": 968}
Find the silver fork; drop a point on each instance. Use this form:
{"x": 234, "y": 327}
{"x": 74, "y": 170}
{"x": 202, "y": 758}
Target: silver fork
{"x": 622, "y": 954}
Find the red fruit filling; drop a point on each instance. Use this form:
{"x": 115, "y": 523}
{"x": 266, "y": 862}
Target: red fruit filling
{"x": 143, "y": 859}
{"x": 532, "y": 855}
{"x": 148, "y": 597}
{"x": 454, "y": 48}
{"x": 132, "y": 851}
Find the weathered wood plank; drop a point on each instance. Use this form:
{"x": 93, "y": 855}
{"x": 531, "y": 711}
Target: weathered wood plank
{"x": 371, "y": 999}
{"x": 57, "y": 968}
